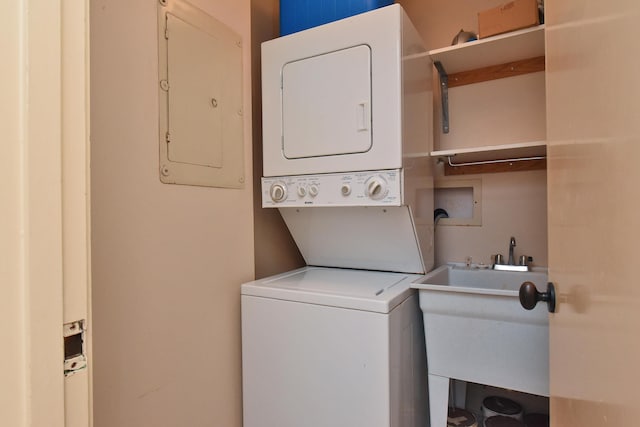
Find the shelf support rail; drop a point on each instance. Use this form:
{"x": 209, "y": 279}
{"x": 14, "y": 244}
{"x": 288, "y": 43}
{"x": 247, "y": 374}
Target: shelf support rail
{"x": 490, "y": 162}
{"x": 444, "y": 94}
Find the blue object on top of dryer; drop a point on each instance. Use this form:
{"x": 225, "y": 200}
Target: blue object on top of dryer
{"x": 298, "y": 15}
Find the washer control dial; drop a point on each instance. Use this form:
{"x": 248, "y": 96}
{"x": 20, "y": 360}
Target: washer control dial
{"x": 278, "y": 192}
{"x": 302, "y": 191}
{"x": 376, "y": 188}
{"x": 313, "y": 190}
{"x": 345, "y": 189}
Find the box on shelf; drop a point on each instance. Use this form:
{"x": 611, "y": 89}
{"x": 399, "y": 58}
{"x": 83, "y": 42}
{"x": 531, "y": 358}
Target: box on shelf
{"x": 298, "y": 15}
{"x": 510, "y": 16}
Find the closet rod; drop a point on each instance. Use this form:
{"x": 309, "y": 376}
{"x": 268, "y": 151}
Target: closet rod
{"x": 489, "y": 162}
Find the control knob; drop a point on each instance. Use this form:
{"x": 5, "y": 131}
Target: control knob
{"x": 376, "y": 188}
{"x": 278, "y": 192}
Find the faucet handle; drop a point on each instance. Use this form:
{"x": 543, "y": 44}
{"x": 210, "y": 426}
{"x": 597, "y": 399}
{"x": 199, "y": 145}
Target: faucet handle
{"x": 525, "y": 260}
{"x": 498, "y": 259}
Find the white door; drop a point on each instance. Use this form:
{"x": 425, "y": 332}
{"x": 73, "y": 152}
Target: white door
{"x": 44, "y": 266}
{"x": 593, "y": 131}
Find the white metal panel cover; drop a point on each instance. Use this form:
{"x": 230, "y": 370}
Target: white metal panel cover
{"x": 200, "y": 98}
{"x": 195, "y": 124}
{"x": 324, "y": 117}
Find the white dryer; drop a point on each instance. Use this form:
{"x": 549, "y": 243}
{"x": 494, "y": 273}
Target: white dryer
{"x": 352, "y": 95}
{"x": 329, "y": 347}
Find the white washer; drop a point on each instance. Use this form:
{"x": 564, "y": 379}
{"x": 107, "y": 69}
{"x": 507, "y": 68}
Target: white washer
{"x": 333, "y": 347}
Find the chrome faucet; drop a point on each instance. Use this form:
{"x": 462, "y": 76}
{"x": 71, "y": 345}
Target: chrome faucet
{"x": 512, "y": 244}
{"x": 511, "y": 265}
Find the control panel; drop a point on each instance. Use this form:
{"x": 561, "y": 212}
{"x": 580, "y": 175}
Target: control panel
{"x": 367, "y": 188}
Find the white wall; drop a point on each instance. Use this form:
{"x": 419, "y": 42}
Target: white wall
{"x": 168, "y": 260}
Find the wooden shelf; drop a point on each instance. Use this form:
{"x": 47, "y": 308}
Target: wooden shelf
{"x": 510, "y": 47}
{"x": 505, "y": 55}
{"x": 494, "y": 158}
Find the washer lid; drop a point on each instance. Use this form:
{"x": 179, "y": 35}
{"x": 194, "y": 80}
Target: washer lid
{"x": 381, "y": 238}
{"x": 346, "y": 288}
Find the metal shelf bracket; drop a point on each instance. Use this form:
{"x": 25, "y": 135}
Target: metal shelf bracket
{"x": 444, "y": 94}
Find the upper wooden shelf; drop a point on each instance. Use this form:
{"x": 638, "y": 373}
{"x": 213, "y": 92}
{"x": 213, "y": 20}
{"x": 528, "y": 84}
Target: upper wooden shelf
{"x": 505, "y": 55}
{"x": 500, "y": 49}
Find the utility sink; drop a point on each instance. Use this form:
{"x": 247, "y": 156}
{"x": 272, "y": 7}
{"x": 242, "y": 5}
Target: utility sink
{"x": 474, "y": 279}
{"x": 476, "y": 330}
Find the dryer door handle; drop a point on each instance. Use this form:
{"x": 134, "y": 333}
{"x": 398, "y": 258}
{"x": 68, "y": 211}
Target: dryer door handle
{"x": 362, "y": 115}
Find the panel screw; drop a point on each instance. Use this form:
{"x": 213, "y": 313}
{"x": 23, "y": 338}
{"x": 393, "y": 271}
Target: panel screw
{"x": 164, "y": 85}
{"x": 239, "y": 112}
{"x": 164, "y": 170}
{"x": 241, "y": 180}
{"x": 163, "y": 2}
{"x": 239, "y": 43}
{"x": 214, "y": 102}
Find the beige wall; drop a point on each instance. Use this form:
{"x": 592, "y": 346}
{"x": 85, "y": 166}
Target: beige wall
{"x": 168, "y": 260}
{"x": 275, "y": 250}
{"x": 515, "y": 203}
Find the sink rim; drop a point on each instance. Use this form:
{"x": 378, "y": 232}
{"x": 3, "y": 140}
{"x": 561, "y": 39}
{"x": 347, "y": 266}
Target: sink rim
{"x": 536, "y": 272}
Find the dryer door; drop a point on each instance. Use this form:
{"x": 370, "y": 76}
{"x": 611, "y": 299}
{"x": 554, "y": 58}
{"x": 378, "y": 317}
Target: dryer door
{"x": 326, "y": 104}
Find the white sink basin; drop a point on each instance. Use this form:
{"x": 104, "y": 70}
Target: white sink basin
{"x": 460, "y": 278}
{"x": 477, "y": 331}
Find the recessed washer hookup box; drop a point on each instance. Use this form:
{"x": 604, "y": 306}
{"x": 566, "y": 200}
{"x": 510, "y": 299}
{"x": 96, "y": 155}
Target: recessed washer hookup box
{"x": 510, "y": 16}
{"x": 298, "y": 15}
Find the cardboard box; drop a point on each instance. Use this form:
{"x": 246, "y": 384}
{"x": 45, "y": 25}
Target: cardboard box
{"x": 510, "y": 16}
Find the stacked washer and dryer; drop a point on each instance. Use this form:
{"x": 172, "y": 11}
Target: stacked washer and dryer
{"x": 347, "y": 115}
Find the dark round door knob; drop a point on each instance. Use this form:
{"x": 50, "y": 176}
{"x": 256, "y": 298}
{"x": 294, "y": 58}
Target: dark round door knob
{"x": 529, "y": 296}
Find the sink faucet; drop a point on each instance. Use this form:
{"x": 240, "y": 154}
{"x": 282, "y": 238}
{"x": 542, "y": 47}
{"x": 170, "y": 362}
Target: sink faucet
{"x": 511, "y": 264}
{"x": 512, "y": 244}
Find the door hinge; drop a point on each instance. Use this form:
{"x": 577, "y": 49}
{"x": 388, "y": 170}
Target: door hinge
{"x": 167, "y": 137}
{"x": 75, "y": 358}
